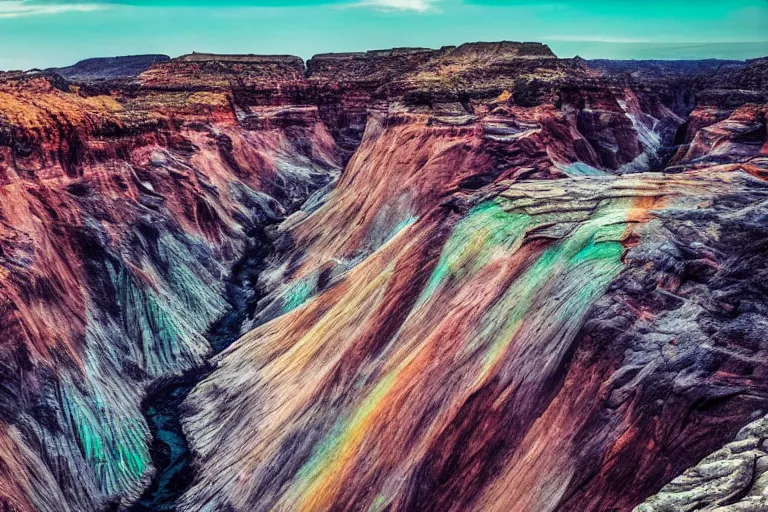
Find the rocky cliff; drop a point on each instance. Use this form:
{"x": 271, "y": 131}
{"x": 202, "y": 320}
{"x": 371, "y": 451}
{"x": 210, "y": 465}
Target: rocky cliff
{"x": 122, "y": 216}
{"x": 473, "y": 278}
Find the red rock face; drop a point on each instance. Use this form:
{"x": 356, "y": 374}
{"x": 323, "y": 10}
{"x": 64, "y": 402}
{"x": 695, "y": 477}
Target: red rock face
{"x": 724, "y": 136}
{"x": 121, "y": 217}
{"x": 458, "y": 284}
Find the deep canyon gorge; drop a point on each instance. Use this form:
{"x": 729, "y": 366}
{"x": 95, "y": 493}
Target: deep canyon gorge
{"x": 473, "y": 278}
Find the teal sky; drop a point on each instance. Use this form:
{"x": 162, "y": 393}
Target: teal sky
{"x": 44, "y": 33}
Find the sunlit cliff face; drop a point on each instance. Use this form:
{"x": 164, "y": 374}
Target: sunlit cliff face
{"x": 475, "y": 287}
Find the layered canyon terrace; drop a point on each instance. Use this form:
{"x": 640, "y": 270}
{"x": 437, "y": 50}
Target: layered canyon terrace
{"x": 478, "y": 278}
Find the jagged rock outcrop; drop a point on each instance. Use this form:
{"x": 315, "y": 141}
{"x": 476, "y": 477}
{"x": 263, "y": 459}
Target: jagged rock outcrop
{"x": 495, "y": 284}
{"x": 733, "y": 479}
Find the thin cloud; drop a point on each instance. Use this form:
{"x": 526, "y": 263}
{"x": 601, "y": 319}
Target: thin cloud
{"x": 20, "y": 8}
{"x": 398, "y": 5}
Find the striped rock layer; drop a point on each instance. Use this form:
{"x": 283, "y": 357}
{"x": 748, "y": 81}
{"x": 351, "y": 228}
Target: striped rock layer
{"x": 477, "y": 278}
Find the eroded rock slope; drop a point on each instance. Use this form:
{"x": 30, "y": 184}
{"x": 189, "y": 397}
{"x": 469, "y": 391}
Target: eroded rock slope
{"x": 120, "y": 218}
{"x": 500, "y": 302}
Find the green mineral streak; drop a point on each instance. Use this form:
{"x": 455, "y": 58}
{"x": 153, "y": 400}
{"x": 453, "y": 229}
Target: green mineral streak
{"x": 404, "y": 224}
{"x": 312, "y": 468}
{"x": 167, "y": 347}
{"x": 486, "y": 230}
{"x": 200, "y": 295}
{"x": 588, "y": 251}
{"x": 298, "y": 294}
{"x": 378, "y": 504}
{"x": 582, "y": 169}
{"x": 112, "y": 446}
{"x": 597, "y": 251}
{"x": 602, "y": 261}
{"x": 91, "y": 442}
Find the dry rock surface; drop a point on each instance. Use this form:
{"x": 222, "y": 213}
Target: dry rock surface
{"x": 470, "y": 278}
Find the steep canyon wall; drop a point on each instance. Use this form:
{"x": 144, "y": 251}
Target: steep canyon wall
{"x": 494, "y": 279}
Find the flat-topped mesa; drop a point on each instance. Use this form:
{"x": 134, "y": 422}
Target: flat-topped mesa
{"x": 483, "y": 71}
{"x": 374, "y": 66}
{"x": 404, "y": 68}
{"x": 391, "y": 52}
{"x": 211, "y": 72}
{"x": 504, "y": 49}
{"x": 377, "y": 64}
{"x": 445, "y": 74}
{"x": 737, "y": 84}
{"x": 242, "y": 58}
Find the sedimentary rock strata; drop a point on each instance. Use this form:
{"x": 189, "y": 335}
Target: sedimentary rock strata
{"x": 473, "y": 278}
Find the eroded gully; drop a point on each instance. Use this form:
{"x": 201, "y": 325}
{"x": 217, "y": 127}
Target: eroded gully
{"x": 163, "y": 405}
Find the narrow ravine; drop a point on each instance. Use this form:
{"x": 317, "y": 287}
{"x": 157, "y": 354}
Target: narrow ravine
{"x": 164, "y": 402}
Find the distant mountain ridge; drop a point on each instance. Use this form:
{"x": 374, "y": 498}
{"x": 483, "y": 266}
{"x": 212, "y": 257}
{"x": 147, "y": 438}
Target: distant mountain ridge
{"x": 643, "y": 66}
{"x": 130, "y": 66}
{"x": 110, "y": 67}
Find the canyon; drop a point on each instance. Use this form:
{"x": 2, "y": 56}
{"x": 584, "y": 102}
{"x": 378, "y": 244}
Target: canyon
{"x": 473, "y": 278}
